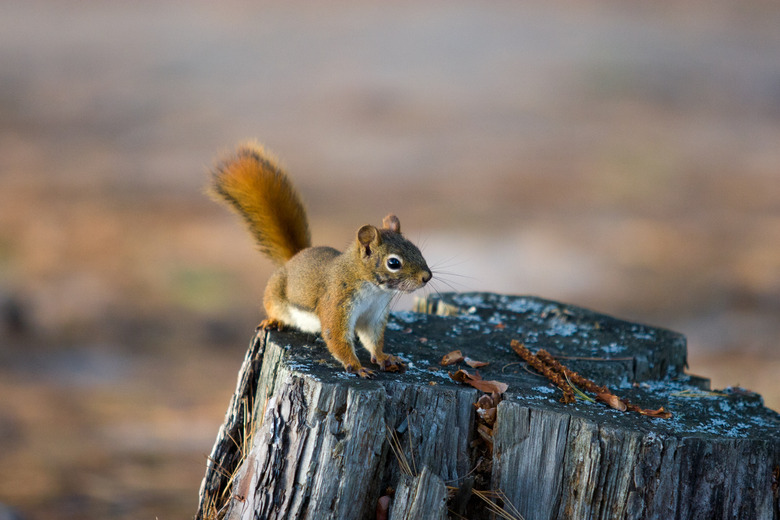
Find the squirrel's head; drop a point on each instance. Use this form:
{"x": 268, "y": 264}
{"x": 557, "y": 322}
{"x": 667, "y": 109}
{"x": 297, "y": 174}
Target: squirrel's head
{"x": 393, "y": 261}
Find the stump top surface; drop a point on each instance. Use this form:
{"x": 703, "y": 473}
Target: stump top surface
{"x": 648, "y": 353}
{"x": 612, "y": 350}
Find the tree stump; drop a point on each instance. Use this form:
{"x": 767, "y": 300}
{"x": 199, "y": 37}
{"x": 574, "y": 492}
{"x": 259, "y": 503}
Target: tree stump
{"x": 303, "y": 439}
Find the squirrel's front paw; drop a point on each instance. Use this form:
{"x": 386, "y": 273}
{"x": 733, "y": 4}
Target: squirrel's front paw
{"x": 389, "y": 364}
{"x": 361, "y": 372}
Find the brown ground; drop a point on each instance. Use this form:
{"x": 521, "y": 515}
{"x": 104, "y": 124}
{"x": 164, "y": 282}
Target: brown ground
{"x": 621, "y": 157}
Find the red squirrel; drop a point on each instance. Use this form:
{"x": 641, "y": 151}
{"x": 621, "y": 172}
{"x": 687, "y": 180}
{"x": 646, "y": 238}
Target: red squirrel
{"x": 319, "y": 289}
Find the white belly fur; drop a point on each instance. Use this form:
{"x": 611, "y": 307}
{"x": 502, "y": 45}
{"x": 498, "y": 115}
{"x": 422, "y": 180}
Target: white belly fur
{"x": 371, "y": 305}
{"x": 304, "y": 321}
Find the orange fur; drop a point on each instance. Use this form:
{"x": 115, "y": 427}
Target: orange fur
{"x": 252, "y": 182}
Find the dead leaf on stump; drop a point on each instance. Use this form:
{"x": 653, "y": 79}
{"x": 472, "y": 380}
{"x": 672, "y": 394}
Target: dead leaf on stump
{"x": 451, "y": 358}
{"x": 475, "y": 380}
{"x": 486, "y": 401}
{"x": 488, "y": 415}
{"x": 473, "y": 363}
{"x": 461, "y": 376}
{"x": 456, "y": 356}
{"x": 490, "y": 386}
{"x": 660, "y": 413}
{"x": 612, "y": 401}
{"x": 485, "y": 432}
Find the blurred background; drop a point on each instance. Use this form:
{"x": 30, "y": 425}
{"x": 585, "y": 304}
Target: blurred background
{"x": 620, "y": 156}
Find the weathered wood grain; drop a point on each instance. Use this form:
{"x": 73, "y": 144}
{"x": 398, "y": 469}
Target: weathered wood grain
{"x": 312, "y": 456}
{"x": 323, "y": 446}
{"x": 424, "y": 496}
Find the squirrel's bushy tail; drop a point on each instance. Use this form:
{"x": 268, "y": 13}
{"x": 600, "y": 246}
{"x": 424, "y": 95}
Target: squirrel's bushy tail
{"x": 251, "y": 181}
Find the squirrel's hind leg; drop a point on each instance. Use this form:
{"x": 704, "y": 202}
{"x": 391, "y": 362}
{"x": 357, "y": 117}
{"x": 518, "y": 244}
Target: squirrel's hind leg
{"x": 281, "y": 312}
{"x": 270, "y": 324}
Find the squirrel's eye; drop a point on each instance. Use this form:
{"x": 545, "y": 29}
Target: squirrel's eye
{"x": 394, "y": 263}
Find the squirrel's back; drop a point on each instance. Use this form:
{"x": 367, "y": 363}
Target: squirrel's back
{"x": 251, "y": 181}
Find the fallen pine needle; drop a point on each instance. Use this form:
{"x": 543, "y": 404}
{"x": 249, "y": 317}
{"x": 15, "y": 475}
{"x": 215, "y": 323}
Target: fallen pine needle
{"x": 552, "y": 369}
{"x": 579, "y": 393}
{"x": 500, "y": 512}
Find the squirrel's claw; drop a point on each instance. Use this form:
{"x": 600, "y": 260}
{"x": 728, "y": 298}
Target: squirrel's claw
{"x": 270, "y": 324}
{"x": 365, "y": 373}
{"x": 390, "y": 363}
{"x": 361, "y": 372}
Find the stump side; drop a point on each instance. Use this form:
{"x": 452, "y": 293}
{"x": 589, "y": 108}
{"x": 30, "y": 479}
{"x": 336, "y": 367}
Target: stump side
{"x": 342, "y": 461}
{"x": 228, "y": 450}
{"x": 552, "y": 465}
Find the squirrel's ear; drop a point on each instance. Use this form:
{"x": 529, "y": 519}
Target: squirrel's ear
{"x": 368, "y": 236}
{"x": 392, "y": 223}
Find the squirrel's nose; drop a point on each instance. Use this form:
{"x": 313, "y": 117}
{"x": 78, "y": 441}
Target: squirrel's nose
{"x": 426, "y": 276}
